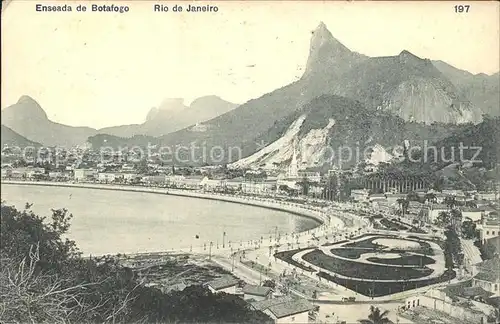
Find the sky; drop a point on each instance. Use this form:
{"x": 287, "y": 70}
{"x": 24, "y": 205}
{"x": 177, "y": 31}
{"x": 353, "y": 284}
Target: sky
{"x": 103, "y": 69}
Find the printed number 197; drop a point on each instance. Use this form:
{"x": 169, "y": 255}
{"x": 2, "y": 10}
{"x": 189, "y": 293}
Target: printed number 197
{"x": 461, "y": 8}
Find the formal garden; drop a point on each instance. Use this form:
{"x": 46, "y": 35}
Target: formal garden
{"x": 375, "y": 264}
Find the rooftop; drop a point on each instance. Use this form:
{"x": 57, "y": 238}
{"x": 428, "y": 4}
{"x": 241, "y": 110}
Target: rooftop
{"x": 284, "y": 306}
{"x": 471, "y": 210}
{"x": 488, "y": 270}
{"x": 265, "y": 304}
{"x": 290, "y": 308}
{"x": 256, "y": 290}
{"x": 476, "y": 291}
{"x": 440, "y": 206}
{"x": 400, "y": 195}
{"x": 223, "y": 282}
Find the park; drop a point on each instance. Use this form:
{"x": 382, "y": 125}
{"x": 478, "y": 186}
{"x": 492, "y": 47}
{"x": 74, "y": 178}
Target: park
{"x": 374, "y": 265}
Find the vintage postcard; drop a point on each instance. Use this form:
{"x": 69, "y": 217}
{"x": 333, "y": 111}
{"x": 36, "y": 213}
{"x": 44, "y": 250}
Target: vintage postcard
{"x": 250, "y": 162}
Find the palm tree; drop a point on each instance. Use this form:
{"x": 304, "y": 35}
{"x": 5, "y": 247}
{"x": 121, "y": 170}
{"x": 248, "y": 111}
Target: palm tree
{"x": 376, "y": 316}
{"x": 400, "y": 202}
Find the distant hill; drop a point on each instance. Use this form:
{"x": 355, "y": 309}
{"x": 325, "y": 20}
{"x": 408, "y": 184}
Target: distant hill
{"x": 173, "y": 115}
{"x": 13, "y": 139}
{"x": 340, "y": 131}
{"x": 483, "y": 90}
{"x": 482, "y": 139}
{"x": 27, "y": 118}
{"x": 401, "y": 96}
{"x": 409, "y": 87}
{"x": 403, "y": 85}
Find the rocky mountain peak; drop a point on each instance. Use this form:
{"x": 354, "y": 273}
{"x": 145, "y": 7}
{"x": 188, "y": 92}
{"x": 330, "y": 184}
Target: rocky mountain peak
{"x": 169, "y": 105}
{"x": 27, "y": 107}
{"x": 408, "y": 57}
{"x": 326, "y": 53}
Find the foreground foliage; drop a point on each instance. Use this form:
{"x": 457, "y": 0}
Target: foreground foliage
{"x": 43, "y": 278}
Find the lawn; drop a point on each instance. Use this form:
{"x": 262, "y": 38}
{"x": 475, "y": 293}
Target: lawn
{"x": 335, "y": 243}
{"x": 393, "y": 226}
{"x": 350, "y": 253}
{"x": 367, "y": 244}
{"x": 363, "y": 270}
{"x": 375, "y": 289}
{"x": 414, "y": 260}
{"x": 287, "y": 257}
{"x": 425, "y": 247}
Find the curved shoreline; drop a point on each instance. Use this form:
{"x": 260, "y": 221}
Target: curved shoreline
{"x": 291, "y": 208}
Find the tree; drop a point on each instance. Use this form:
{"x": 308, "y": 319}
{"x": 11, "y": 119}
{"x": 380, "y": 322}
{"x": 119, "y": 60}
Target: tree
{"x": 44, "y": 279}
{"x": 400, "y": 202}
{"x": 438, "y": 184}
{"x": 469, "y": 230}
{"x": 430, "y": 197}
{"x": 443, "y": 219}
{"x": 450, "y": 201}
{"x": 456, "y": 217}
{"x": 305, "y": 184}
{"x": 452, "y": 249}
{"x": 495, "y": 315}
{"x": 269, "y": 283}
{"x": 377, "y": 316}
{"x": 403, "y": 205}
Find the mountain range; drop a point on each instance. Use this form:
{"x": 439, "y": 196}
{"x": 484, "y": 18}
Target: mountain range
{"x": 28, "y": 119}
{"x": 173, "y": 115}
{"x": 342, "y": 97}
{"x": 481, "y": 89}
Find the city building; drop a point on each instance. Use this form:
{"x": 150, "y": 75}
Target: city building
{"x": 6, "y": 172}
{"x": 475, "y": 214}
{"x": 479, "y": 203}
{"x": 212, "y": 184}
{"x": 257, "y": 293}
{"x": 442, "y": 300}
{"x": 155, "y": 179}
{"x": 488, "y": 228}
{"x": 128, "y": 167}
{"x": 491, "y": 247}
{"x": 227, "y": 284}
{"x": 108, "y": 177}
{"x": 487, "y": 275}
{"x": 439, "y": 197}
{"x": 393, "y": 198}
{"x": 285, "y": 309}
{"x": 488, "y": 195}
{"x": 59, "y": 175}
{"x": 312, "y": 176}
{"x": 435, "y": 210}
{"x": 84, "y": 174}
{"x": 260, "y": 187}
{"x": 360, "y": 195}
{"x": 377, "y": 197}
